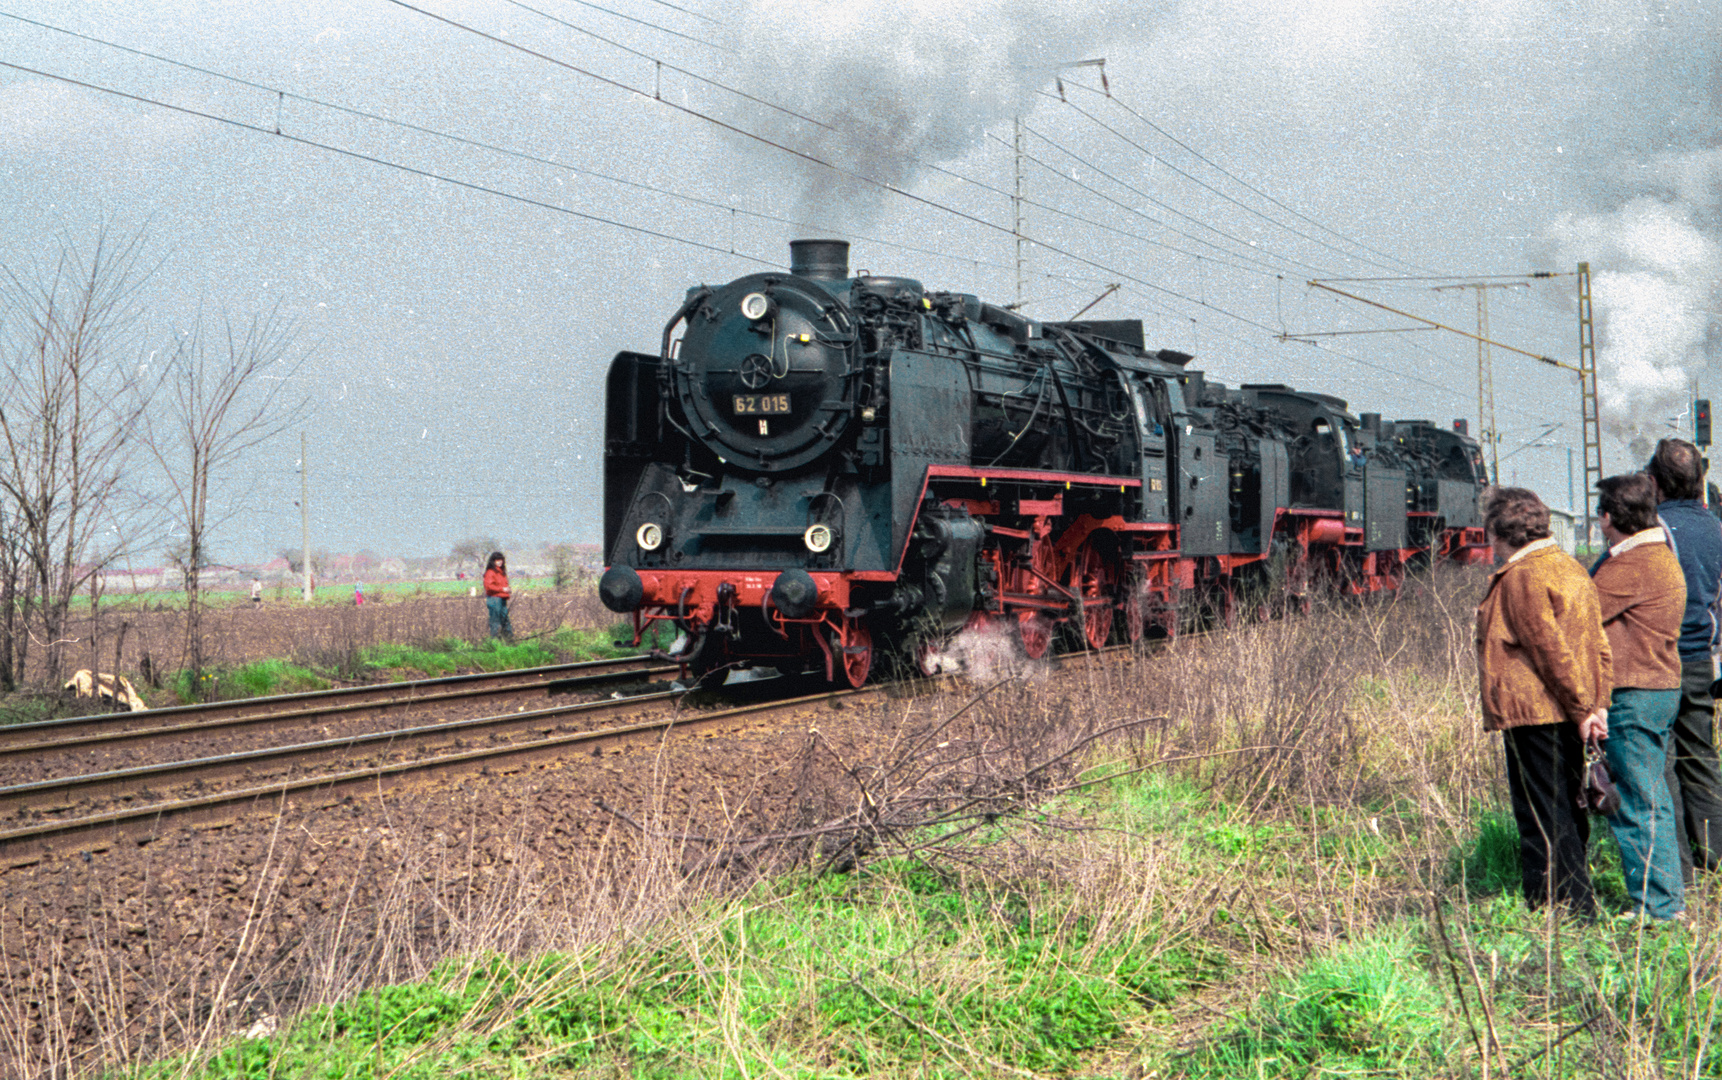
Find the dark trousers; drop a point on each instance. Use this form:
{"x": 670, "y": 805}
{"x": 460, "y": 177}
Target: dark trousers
{"x": 500, "y": 626}
{"x": 1694, "y": 781}
{"x": 1545, "y": 774}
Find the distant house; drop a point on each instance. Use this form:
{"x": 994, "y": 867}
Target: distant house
{"x": 1565, "y": 526}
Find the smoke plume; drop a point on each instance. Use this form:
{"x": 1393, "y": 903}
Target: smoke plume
{"x": 901, "y": 83}
{"x": 1656, "y": 288}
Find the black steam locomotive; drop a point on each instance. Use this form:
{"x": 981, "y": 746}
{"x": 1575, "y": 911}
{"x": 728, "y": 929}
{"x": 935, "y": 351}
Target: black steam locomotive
{"x": 815, "y": 466}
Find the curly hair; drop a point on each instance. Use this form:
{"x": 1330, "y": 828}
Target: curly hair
{"x": 1678, "y": 469}
{"x": 1629, "y": 501}
{"x": 1515, "y": 516}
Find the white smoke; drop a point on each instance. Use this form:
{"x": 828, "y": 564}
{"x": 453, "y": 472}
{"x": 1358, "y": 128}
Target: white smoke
{"x": 1656, "y": 288}
{"x": 901, "y": 83}
{"x": 987, "y": 654}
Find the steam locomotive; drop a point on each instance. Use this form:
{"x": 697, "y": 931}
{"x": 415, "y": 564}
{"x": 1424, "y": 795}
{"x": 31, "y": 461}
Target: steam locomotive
{"x": 815, "y": 470}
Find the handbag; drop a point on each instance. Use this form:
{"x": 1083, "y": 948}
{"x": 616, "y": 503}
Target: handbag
{"x": 1599, "y": 795}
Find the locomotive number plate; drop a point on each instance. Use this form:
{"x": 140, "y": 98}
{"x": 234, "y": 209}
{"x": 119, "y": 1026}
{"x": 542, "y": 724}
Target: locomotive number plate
{"x": 761, "y": 403}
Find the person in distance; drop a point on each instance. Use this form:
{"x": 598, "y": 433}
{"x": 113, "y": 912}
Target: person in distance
{"x": 496, "y": 596}
{"x": 1546, "y": 671}
{"x": 1643, "y": 597}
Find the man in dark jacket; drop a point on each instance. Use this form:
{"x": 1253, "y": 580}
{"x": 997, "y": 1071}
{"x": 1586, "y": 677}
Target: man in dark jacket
{"x": 1694, "y": 780}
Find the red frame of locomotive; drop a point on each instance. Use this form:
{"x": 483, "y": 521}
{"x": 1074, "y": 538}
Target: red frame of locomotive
{"x": 1050, "y": 572}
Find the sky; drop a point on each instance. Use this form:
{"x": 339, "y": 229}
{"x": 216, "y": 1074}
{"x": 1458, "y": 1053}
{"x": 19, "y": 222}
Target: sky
{"x": 465, "y": 210}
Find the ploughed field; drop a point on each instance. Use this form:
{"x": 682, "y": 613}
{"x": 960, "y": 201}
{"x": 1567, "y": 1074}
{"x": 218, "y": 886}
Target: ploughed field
{"x": 325, "y": 636}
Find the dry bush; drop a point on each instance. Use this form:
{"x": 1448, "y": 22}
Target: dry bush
{"x": 226, "y": 951}
{"x": 1354, "y": 703}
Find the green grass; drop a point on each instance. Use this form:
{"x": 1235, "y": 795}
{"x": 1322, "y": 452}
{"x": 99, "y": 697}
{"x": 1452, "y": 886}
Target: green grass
{"x": 1489, "y": 864}
{"x": 899, "y": 969}
{"x": 1366, "y": 1008}
{"x": 264, "y": 678}
{"x": 333, "y": 593}
{"x": 451, "y": 655}
{"x": 904, "y": 971}
{"x": 446, "y": 656}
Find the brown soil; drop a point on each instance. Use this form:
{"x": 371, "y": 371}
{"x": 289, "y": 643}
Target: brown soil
{"x": 113, "y": 953}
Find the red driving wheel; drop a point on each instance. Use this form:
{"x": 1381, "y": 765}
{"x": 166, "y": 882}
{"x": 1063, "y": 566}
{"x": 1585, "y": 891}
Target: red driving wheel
{"x": 1091, "y": 579}
{"x": 855, "y": 653}
{"x": 1036, "y": 631}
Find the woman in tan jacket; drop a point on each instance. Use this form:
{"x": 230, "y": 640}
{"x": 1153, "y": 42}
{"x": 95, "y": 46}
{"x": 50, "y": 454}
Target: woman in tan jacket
{"x": 1546, "y": 675}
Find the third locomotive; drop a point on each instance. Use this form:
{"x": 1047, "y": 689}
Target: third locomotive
{"x": 816, "y": 467}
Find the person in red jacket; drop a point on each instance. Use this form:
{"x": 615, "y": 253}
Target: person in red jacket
{"x": 496, "y": 596}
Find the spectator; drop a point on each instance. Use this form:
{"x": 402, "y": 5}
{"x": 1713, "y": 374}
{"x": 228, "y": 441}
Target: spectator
{"x": 256, "y": 593}
{"x": 358, "y": 594}
{"x": 1643, "y": 597}
{"x": 496, "y": 596}
{"x": 1694, "y": 780}
{"x": 1545, "y": 672}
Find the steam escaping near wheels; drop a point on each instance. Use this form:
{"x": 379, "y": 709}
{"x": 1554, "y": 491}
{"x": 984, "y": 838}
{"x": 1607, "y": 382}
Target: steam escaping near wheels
{"x": 985, "y": 653}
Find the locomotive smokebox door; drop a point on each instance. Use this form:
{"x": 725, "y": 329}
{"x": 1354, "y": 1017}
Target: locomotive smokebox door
{"x": 763, "y": 371}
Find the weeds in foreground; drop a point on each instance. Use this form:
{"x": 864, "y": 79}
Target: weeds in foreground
{"x": 1304, "y": 870}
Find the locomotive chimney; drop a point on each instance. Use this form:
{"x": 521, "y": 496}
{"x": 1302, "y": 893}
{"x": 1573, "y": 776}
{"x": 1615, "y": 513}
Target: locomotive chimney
{"x": 821, "y": 260}
{"x": 1371, "y": 422}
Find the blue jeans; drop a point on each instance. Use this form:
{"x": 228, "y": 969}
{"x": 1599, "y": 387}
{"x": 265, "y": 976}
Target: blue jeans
{"x": 1637, "y": 752}
{"x": 499, "y": 624}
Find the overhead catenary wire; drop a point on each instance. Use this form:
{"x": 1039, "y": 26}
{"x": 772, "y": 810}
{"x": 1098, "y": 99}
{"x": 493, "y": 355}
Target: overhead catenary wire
{"x": 1265, "y": 267}
{"x": 640, "y": 22}
{"x": 283, "y": 94}
{"x": 1120, "y": 103}
{"x": 811, "y": 158}
{"x": 1110, "y": 271}
{"x": 685, "y": 11}
{"x": 743, "y": 94}
{"x": 354, "y": 154}
{"x": 592, "y": 217}
{"x": 254, "y": 128}
{"x": 1202, "y": 183}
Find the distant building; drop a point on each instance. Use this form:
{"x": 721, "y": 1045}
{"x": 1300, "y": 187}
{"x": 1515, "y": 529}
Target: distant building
{"x": 1565, "y": 526}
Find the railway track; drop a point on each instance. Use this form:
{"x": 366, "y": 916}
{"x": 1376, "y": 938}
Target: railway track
{"x": 85, "y": 814}
{"x": 299, "y": 714}
{"x": 138, "y": 805}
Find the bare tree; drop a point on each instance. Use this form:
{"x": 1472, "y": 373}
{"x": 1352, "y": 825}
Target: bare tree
{"x": 72, "y": 399}
{"x": 222, "y": 395}
{"x": 473, "y": 549}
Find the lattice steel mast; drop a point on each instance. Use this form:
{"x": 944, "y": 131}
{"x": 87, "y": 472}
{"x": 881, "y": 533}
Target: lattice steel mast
{"x": 1587, "y": 393}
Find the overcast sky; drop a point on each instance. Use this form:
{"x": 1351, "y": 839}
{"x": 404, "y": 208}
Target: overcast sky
{"x": 546, "y": 180}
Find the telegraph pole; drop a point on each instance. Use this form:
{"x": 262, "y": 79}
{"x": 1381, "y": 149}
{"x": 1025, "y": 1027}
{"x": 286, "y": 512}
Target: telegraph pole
{"x": 1016, "y": 201}
{"x": 1016, "y": 219}
{"x": 1585, "y": 371}
{"x": 1486, "y": 368}
{"x": 305, "y": 515}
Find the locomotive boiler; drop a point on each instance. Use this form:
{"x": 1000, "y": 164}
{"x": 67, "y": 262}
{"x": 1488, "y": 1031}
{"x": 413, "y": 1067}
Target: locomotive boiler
{"x": 815, "y": 469}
